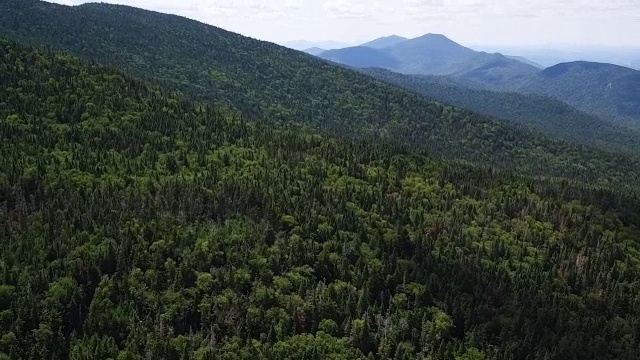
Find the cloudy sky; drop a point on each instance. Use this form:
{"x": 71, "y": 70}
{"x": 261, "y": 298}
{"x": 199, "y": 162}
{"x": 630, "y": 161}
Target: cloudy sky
{"x": 471, "y": 22}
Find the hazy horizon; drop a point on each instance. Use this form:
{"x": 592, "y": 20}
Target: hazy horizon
{"x": 480, "y": 46}
{"x": 477, "y": 22}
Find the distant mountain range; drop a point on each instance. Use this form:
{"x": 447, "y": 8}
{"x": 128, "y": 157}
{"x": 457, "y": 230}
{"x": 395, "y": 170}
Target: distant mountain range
{"x": 362, "y": 57}
{"x": 385, "y": 42}
{"x": 549, "y": 55}
{"x": 608, "y": 91}
{"x": 379, "y": 43}
{"x": 314, "y": 51}
{"x": 435, "y": 54}
{"x": 525, "y": 60}
{"x": 326, "y": 45}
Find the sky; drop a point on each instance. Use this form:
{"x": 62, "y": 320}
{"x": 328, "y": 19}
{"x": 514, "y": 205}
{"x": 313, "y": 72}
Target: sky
{"x": 469, "y": 22}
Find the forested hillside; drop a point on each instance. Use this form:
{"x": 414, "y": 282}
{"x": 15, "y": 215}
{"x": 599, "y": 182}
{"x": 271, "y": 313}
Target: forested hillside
{"x": 271, "y": 83}
{"x": 544, "y": 113}
{"x": 610, "y": 91}
{"x": 138, "y": 225}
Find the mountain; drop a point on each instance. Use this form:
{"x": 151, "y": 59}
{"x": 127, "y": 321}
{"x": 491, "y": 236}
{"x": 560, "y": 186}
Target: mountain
{"x": 302, "y": 45}
{"x": 607, "y": 90}
{"x": 315, "y": 51}
{"x": 550, "y": 55}
{"x": 604, "y": 90}
{"x": 361, "y": 57}
{"x": 525, "y": 60}
{"x": 543, "y": 113}
{"x": 138, "y": 224}
{"x": 435, "y": 54}
{"x": 273, "y": 84}
{"x": 385, "y": 42}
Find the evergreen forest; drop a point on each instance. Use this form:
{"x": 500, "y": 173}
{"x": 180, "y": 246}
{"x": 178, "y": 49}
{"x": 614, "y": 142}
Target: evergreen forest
{"x": 140, "y": 219}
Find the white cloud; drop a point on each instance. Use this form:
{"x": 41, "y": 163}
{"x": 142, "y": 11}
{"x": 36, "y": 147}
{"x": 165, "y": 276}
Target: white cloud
{"x": 415, "y": 10}
{"x": 471, "y": 21}
{"x": 346, "y": 8}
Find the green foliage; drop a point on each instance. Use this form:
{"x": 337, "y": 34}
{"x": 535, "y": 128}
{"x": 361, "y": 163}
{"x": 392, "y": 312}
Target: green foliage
{"x": 609, "y": 91}
{"x": 542, "y": 113}
{"x": 269, "y": 83}
{"x": 472, "y": 354}
{"x": 156, "y": 227}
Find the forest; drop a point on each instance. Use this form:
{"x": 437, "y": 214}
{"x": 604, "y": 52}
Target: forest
{"x": 542, "y": 113}
{"x": 137, "y": 222}
{"x": 274, "y": 85}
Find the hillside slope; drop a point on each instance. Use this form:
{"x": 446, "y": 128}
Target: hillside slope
{"x": 610, "y": 91}
{"x": 137, "y": 224}
{"x": 271, "y": 83}
{"x": 543, "y": 113}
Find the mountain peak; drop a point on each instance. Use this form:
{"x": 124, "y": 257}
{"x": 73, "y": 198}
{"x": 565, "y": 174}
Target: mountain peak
{"x": 436, "y": 38}
{"x": 385, "y": 41}
{"x": 434, "y": 44}
{"x": 586, "y": 66}
{"x": 393, "y": 37}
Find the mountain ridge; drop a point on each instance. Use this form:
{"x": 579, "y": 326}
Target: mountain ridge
{"x": 301, "y": 45}
{"x": 385, "y": 41}
{"x": 540, "y": 112}
{"x": 607, "y": 90}
{"x": 266, "y": 82}
{"x": 360, "y": 57}
{"x": 436, "y": 54}
{"x": 315, "y": 51}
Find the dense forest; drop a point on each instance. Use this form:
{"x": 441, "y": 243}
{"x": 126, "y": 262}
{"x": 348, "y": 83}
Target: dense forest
{"x": 269, "y": 83}
{"x": 607, "y": 90}
{"x": 544, "y": 113}
{"x": 138, "y": 224}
